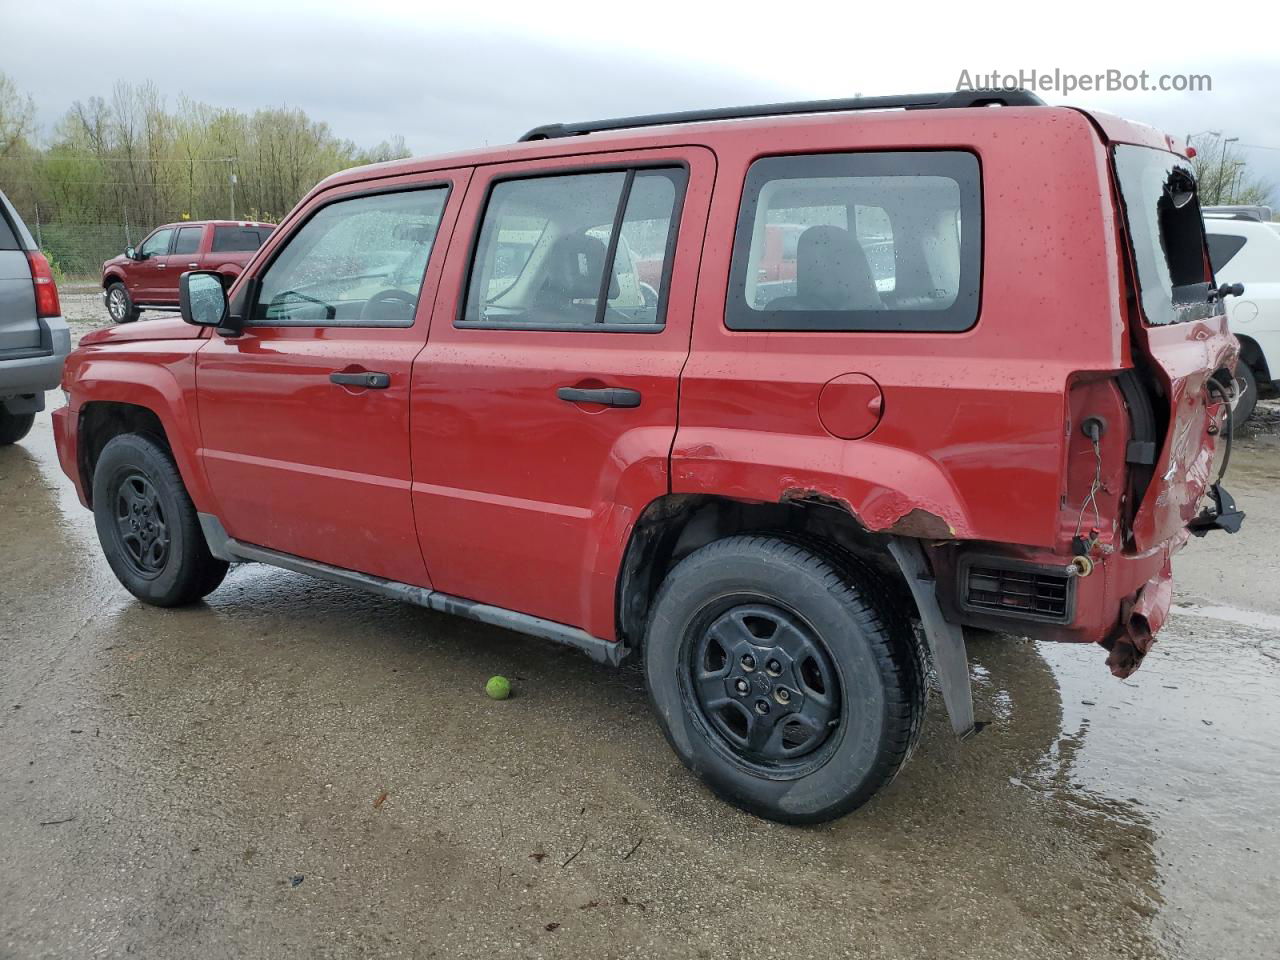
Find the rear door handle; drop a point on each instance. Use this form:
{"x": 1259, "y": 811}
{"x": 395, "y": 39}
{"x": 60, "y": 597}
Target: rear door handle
{"x": 367, "y": 379}
{"x": 607, "y": 396}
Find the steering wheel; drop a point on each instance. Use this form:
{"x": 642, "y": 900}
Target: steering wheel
{"x": 373, "y": 309}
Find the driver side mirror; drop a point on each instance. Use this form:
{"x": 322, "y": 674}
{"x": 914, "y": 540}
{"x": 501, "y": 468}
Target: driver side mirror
{"x": 202, "y": 299}
{"x": 131, "y": 254}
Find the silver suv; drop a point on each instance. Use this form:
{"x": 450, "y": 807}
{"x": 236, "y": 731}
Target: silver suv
{"x": 34, "y": 340}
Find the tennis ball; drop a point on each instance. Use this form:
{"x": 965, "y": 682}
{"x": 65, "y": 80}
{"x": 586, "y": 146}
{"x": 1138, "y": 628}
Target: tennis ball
{"x": 499, "y": 688}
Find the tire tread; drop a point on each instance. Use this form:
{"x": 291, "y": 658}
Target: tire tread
{"x": 200, "y": 572}
{"x": 888, "y": 632}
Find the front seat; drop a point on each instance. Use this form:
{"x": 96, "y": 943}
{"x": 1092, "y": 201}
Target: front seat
{"x": 575, "y": 264}
{"x": 832, "y": 273}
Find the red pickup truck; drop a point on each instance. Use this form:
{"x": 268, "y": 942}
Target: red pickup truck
{"x": 146, "y": 276}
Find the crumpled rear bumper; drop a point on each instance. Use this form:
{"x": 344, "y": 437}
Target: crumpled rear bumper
{"x": 1120, "y": 604}
{"x": 1142, "y": 616}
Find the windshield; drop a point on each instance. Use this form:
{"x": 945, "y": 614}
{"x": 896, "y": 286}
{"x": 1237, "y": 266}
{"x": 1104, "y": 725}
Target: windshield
{"x": 1158, "y": 191}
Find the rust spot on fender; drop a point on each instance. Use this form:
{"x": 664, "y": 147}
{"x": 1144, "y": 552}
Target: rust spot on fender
{"x": 808, "y": 495}
{"x": 923, "y": 525}
{"x": 914, "y": 523}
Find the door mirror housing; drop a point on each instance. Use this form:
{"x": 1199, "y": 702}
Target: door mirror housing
{"x": 202, "y": 298}
{"x": 131, "y": 254}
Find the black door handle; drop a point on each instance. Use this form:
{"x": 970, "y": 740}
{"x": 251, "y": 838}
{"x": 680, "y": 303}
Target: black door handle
{"x": 607, "y": 396}
{"x": 367, "y": 379}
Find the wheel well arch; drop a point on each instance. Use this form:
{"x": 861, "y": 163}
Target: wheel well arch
{"x": 102, "y": 420}
{"x": 1252, "y": 354}
{"x": 673, "y": 526}
{"x": 110, "y": 278}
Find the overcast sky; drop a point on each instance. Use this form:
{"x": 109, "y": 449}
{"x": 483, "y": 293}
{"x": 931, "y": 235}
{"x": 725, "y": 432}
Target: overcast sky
{"x": 460, "y": 75}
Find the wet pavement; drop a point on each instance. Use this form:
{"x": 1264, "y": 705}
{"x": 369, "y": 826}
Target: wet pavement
{"x": 294, "y": 768}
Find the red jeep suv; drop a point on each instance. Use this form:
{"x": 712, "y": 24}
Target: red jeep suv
{"x": 556, "y": 386}
{"x": 147, "y": 276}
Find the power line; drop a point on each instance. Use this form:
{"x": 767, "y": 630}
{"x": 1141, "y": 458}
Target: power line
{"x": 97, "y": 159}
{"x": 57, "y": 182}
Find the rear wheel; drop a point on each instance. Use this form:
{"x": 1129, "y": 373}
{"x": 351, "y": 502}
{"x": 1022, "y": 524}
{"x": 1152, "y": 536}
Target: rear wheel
{"x": 120, "y": 305}
{"x": 14, "y": 426}
{"x": 778, "y": 682}
{"x": 148, "y": 526}
{"x": 1246, "y": 388}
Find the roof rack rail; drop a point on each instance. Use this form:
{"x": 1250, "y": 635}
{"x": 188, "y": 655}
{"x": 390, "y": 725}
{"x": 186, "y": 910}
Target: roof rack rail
{"x": 917, "y": 101}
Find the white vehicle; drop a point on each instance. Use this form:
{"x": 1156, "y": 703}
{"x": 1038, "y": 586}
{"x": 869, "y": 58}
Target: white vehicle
{"x": 1248, "y": 252}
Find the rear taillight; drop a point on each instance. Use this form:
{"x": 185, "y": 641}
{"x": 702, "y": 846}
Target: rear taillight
{"x": 47, "y": 304}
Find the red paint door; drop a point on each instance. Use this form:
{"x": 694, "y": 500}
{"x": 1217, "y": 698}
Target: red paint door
{"x": 184, "y": 255}
{"x": 146, "y": 275}
{"x": 305, "y": 417}
{"x": 543, "y": 418}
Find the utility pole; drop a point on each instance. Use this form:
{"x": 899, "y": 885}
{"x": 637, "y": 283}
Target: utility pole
{"x": 1235, "y": 175}
{"x": 1222, "y": 166}
{"x": 231, "y": 183}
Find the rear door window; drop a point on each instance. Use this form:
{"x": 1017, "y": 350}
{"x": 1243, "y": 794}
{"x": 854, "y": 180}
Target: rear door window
{"x": 1222, "y": 247}
{"x": 1166, "y": 232}
{"x": 188, "y": 240}
{"x": 858, "y": 241}
{"x": 545, "y": 243}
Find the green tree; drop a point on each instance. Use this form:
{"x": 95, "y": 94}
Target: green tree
{"x": 1222, "y": 171}
{"x": 112, "y": 167}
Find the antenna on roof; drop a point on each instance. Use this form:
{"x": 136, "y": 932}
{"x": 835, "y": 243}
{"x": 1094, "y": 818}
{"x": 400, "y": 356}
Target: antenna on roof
{"x": 918, "y": 101}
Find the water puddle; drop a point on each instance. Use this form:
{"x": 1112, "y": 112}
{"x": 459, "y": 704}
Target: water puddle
{"x": 1242, "y": 618}
{"x": 1190, "y": 744}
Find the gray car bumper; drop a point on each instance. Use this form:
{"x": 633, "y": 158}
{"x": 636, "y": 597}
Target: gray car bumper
{"x": 24, "y": 379}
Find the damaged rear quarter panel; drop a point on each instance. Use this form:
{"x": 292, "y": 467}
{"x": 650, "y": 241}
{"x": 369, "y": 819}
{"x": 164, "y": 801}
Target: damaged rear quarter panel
{"x": 988, "y": 469}
{"x": 971, "y": 443}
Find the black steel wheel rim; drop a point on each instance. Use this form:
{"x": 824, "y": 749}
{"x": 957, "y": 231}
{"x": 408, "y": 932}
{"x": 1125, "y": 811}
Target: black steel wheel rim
{"x": 764, "y": 684}
{"x": 141, "y": 524}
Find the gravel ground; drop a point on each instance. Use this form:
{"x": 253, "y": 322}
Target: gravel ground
{"x": 293, "y": 768}
{"x": 83, "y": 308}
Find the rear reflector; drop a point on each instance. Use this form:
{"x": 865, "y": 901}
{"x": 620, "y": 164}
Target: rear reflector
{"x": 1022, "y": 590}
{"x": 47, "y": 304}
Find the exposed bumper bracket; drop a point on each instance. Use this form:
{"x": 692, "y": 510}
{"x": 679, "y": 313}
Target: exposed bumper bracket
{"x": 945, "y": 639}
{"x": 1223, "y": 515}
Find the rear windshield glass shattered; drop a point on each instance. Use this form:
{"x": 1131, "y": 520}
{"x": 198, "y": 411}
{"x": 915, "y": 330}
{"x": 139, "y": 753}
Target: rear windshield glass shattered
{"x": 1163, "y": 212}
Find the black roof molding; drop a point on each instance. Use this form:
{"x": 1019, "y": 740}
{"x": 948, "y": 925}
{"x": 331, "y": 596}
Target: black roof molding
{"x": 911, "y": 101}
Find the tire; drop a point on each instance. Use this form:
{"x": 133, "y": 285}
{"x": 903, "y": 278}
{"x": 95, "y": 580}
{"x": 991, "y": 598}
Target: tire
{"x": 1247, "y": 390}
{"x": 120, "y": 306}
{"x": 14, "y": 426}
{"x": 148, "y": 526}
{"x": 814, "y": 620}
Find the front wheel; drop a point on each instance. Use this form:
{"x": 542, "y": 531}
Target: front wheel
{"x": 148, "y": 526}
{"x": 777, "y": 680}
{"x": 120, "y": 305}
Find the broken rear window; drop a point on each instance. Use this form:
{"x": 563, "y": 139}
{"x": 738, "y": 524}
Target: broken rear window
{"x": 1158, "y": 191}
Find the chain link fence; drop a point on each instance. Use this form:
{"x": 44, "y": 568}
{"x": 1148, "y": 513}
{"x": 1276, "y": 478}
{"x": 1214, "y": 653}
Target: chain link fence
{"x": 76, "y": 245}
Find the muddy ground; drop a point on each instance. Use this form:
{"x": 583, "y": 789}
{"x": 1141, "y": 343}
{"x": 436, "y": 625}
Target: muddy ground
{"x": 297, "y": 769}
